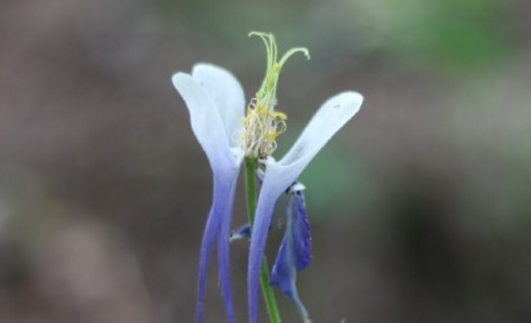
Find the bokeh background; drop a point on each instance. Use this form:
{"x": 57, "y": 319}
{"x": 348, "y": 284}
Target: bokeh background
{"x": 420, "y": 207}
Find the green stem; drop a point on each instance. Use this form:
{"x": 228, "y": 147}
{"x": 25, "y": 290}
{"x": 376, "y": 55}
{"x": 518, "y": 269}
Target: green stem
{"x": 250, "y": 185}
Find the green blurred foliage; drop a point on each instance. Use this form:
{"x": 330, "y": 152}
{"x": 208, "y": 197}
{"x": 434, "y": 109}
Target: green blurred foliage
{"x": 435, "y": 34}
{"x": 423, "y": 34}
{"x": 339, "y": 186}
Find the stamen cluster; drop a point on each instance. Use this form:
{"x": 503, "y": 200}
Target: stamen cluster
{"x": 262, "y": 124}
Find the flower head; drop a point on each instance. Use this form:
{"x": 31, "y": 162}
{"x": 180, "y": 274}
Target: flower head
{"x": 216, "y": 105}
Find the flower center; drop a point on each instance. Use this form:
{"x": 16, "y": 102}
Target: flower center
{"x": 262, "y": 124}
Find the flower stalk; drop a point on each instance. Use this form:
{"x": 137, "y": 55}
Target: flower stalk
{"x": 250, "y": 186}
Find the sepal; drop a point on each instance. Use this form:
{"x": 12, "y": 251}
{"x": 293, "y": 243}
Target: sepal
{"x": 294, "y": 253}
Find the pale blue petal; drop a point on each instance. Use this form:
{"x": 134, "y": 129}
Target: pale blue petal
{"x": 280, "y": 175}
{"x": 218, "y": 226}
{"x": 227, "y": 94}
{"x": 207, "y": 123}
{"x": 216, "y": 104}
{"x": 209, "y": 236}
{"x": 266, "y": 203}
{"x": 223, "y": 247}
{"x": 297, "y": 235}
{"x": 331, "y": 117}
{"x": 301, "y": 232}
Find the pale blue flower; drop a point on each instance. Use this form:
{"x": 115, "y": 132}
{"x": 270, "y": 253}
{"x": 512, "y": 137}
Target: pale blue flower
{"x": 216, "y": 104}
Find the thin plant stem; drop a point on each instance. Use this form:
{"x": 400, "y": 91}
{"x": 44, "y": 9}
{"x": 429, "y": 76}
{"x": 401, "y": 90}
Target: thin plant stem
{"x": 269, "y": 296}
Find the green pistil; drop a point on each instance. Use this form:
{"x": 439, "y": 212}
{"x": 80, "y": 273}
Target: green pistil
{"x": 267, "y": 93}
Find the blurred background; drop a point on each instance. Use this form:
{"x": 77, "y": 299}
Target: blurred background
{"x": 420, "y": 207}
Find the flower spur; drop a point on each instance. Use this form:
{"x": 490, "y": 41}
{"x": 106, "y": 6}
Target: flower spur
{"x": 216, "y": 105}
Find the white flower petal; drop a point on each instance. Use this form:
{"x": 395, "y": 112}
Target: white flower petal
{"x": 204, "y": 99}
{"x": 281, "y": 175}
{"x": 227, "y": 94}
{"x": 325, "y": 123}
{"x": 332, "y": 115}
{"x": 207, "y": 124}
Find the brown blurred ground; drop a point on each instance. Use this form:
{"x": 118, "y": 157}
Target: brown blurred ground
{"x": 420, "y": 208}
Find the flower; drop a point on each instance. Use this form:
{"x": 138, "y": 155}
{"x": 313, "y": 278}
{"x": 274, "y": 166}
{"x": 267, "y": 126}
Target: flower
{"x": 216, "y": 104}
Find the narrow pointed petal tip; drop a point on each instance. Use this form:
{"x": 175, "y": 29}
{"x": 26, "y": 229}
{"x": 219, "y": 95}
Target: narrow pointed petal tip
{"x": 177, "y": 79}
